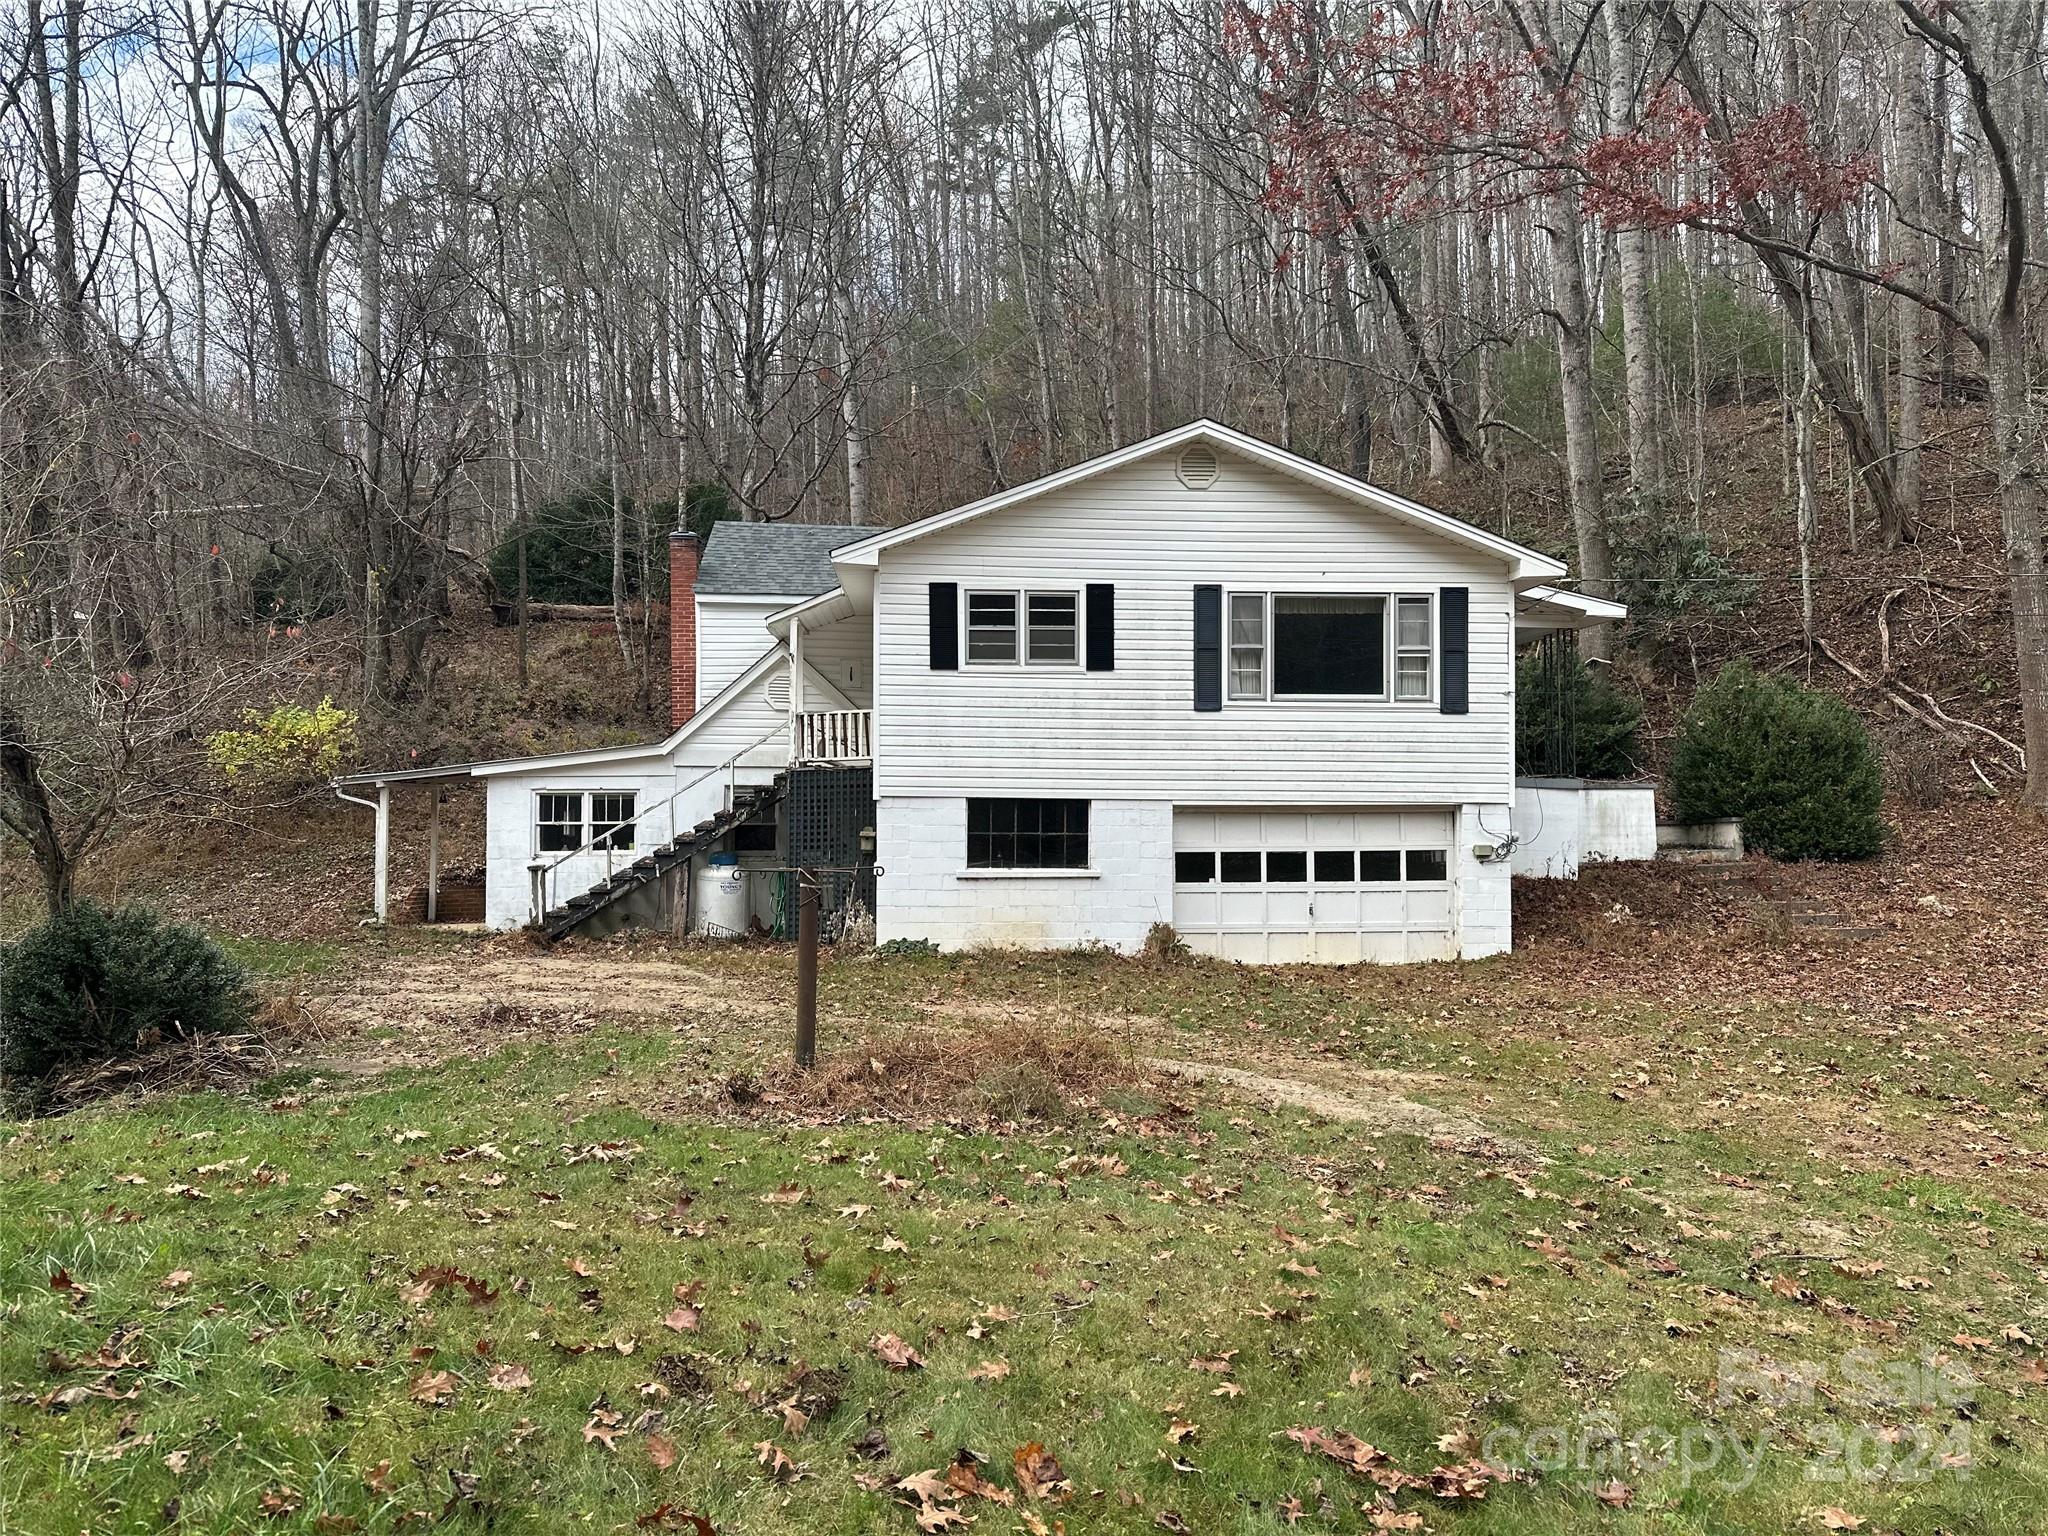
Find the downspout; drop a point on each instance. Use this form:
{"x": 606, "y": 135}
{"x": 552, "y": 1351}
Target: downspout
{"x": 382, "y": 806}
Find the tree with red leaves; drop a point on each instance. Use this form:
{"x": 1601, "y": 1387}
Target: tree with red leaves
{"x": 1396, "y": 120}
{"x": 1759, "y": 180}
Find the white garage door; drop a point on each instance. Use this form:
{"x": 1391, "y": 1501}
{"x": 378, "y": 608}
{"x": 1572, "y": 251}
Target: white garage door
{"x": 1326, "y": 885}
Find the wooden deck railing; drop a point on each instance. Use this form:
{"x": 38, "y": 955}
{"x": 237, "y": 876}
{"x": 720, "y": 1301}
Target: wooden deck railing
{"x": 835, "y": 736}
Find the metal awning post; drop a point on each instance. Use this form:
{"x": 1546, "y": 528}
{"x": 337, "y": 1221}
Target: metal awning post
{"x": 383, "y": 876}
{"x": 434, "y": 858}
{"x": 796, "y": 690}
{"x": 806, "y": 969}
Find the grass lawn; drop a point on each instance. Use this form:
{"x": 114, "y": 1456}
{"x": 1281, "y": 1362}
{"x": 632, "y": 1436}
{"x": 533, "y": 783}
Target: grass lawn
{"x": 1746, "y": 1265}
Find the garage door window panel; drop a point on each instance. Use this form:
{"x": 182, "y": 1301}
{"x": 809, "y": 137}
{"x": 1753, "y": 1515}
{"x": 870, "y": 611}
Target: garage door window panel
{"x": 1377, "y": 865}
{"x": 1286, "y": 866}
{"x": 1242, "y": 867}
{"x": 1427, "y": 864}
{"x": 1336, "y": 866}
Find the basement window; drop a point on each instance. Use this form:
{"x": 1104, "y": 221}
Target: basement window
{"x": 1027, "y": 834}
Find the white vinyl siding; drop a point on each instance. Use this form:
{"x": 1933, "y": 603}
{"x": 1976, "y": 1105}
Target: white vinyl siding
{"x": 1132, "y": 732}
{"x": 732, "y": 632}
{"x": 836, "y": 656}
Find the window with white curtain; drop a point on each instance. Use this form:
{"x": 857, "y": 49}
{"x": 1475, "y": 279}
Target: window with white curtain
{"x": 1248, "y": 645}
{"x": 1411, "y": 647}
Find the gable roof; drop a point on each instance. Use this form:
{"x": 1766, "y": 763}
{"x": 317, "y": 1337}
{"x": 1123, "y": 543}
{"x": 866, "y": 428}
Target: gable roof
{"x": 772, "y": 559}
{"x": 1524, "y": 564}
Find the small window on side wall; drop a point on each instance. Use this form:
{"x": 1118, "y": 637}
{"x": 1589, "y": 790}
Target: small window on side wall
{"x": 611, "y": 819}
{"x": 1053, "y": 629}
{"x": 558, "y": 822}
{"x": 991, "y": 627}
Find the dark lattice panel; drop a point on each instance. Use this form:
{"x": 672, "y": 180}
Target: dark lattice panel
{"x": 827, "y": 809}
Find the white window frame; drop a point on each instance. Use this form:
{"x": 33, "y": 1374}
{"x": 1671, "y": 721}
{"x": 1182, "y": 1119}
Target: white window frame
{"x": 1391, "y": 648}
{"x": 1021, "y": 597}
{"x": 967, "y": 626}
{"x": 631, "y": 823}
{"x": 1427, "y": 650}
{"x": 1073, "y": 596}
{"x": 1264, "y": 646}
{"x": 581, "y": 823}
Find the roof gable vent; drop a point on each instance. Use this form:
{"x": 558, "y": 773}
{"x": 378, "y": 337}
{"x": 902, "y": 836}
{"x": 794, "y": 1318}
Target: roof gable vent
{"x": 778, "y": 690}
{"x": 1196, "y": 466}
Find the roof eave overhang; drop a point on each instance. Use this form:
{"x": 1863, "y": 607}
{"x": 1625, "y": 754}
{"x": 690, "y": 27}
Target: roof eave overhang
{"x": 1542, "y": 609}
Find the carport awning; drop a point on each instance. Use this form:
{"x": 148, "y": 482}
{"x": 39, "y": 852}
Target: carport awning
{"x": 1541, "y": 610}
{"x": 404, "y": 775}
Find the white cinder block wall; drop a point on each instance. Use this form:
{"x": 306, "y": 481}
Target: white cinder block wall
{"x": 927, "y": 892}
{"x": 1483, "y": 916}
{"x": 509, "y": 835}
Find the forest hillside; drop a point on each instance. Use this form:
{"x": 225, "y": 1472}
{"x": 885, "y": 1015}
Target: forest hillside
{"x": 328, "y": 334}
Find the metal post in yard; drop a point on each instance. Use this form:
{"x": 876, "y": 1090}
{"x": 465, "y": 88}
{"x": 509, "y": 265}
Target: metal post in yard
{"x": 806, "y": 969}
{"x": 383, "y": 871}
{"x": 434, "y": 860}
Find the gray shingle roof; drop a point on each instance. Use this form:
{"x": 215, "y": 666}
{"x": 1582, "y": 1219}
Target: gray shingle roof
{"x": 773, "y": 559}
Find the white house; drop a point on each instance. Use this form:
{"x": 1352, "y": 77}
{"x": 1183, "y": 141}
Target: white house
{"x": 1199, "y": 681}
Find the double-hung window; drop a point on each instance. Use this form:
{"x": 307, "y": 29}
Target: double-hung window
{"x": 1411, "y": 647}
{"x": 1330, "y": 645}
{"x": 991, "y": 627}
{"x": 1053, "y": 627}
{"x": 558, "y": 822}
{"x": 1037, "y": 628}
{"x": 611, "y": 819}
{"x": 1247, "y": 645}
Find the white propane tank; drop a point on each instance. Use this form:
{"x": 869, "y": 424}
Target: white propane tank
{"x": 718, "y": 899}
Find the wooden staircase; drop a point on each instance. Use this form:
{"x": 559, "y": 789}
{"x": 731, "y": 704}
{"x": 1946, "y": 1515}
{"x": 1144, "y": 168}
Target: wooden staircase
{"x": 604, "y": 898}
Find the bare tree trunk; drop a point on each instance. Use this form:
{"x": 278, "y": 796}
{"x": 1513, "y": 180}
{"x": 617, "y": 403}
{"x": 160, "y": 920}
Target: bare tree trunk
{"x": 1357, "y": 400}
{"x": 1807, "y": 515}
{"x": 1910, "y": 159}
{"x": 27, "y": 810}
{"x": 1632, "y": 245}
{"x": 1573, "y": 324}
{"x": 520, "y": 520}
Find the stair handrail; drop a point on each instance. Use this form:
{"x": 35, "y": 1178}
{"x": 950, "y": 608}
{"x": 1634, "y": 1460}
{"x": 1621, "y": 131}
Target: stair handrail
{"x": 543, "y": 874}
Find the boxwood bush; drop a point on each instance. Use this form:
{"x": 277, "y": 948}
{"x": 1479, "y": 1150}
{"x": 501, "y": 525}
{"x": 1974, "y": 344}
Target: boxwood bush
{"x": 1795, "y": 764}
{"x": 94, "y": 982}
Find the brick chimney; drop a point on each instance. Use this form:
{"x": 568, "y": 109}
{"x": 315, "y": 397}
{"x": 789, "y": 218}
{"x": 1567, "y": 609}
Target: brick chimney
{"x": 684, "y": 550}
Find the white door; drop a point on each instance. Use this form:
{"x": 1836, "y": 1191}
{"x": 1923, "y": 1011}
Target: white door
{"x": 1335, "y": 886}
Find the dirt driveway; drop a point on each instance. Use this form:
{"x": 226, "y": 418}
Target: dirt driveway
{"x": 427, "y": 1006}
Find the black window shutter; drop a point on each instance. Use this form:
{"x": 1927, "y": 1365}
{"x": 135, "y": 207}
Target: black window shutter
{"x": 1454, "y": 620}
{"x": 1208, "y": 648}
{"x": 945, "y": 614}
{"x": 1101, "y": 627}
